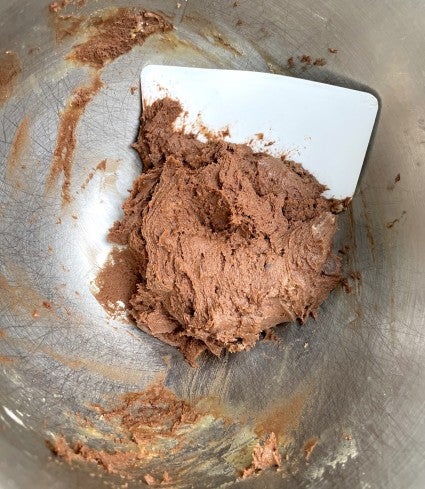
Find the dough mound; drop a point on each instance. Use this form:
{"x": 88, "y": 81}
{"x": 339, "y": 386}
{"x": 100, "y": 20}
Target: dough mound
{"x": 229, "y": 243}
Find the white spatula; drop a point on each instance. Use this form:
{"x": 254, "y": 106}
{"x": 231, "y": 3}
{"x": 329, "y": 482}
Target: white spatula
{"x": 325, "y": 128}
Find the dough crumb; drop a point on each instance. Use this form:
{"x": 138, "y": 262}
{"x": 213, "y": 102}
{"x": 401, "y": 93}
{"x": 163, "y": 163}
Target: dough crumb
{"x": 10, "y": 69}
{"x": 265, "y": 455}
{"x": 309, "y": 446}
{"x": 319, "y": 62}
{"x": 144, "y": 420}
{"x": 150, "y": 481}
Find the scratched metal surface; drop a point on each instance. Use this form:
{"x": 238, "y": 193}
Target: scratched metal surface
{"x": 363, "y": 358}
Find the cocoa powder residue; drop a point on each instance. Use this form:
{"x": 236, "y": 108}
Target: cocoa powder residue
{"x": 67, "y": 135}
{"x": 116, "y": 34}
{"x": 10, "y": 68}
{"x": 284, "y": 418}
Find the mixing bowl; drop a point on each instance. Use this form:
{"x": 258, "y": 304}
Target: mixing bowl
{"x": 352, "y": 380}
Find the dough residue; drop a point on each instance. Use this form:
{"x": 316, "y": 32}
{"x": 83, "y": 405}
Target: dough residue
{"x": 116, "y": 33}
{"x": 151, "y": 481}
{"x": 4, "y": 359}
{"x": 309, "y": 446}
{"x": 264, "y": 456}
{"x": 228, "y": 242}
{"x": 66, "y": 142}
{"x": 117, "y": 281}
{"x": 10, "y": 68}
{"x": 20, "y": 144}
{"x": 143, "y": 420}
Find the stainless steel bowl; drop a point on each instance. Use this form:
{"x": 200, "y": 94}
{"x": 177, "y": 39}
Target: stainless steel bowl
{"x": 360, "y": 365}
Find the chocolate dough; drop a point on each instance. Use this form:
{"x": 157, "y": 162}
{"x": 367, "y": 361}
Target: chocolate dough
{"x": 229, "y": 243}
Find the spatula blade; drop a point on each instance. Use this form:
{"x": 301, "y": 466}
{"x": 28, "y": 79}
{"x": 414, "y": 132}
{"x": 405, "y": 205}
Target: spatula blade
{"x": 324, "y": 127}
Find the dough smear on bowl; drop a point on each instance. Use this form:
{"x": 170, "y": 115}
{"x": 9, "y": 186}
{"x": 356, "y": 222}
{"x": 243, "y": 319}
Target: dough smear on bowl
{"x": 228, "y": 242}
